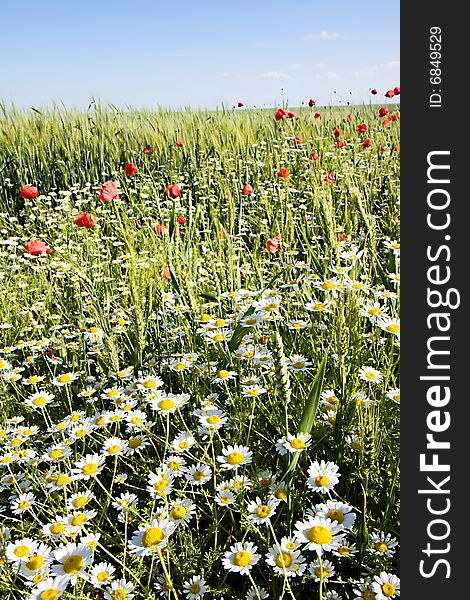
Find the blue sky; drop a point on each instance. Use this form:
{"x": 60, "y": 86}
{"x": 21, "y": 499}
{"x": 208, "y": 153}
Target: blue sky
{"x": 143, "y": 53}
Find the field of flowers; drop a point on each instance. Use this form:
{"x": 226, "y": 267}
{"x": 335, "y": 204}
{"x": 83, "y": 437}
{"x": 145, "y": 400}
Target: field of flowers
{"x": 199, "y": 354}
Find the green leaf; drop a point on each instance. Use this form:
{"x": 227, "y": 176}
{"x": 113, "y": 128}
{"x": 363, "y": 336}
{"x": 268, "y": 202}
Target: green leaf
{"x": 239, "y": 332}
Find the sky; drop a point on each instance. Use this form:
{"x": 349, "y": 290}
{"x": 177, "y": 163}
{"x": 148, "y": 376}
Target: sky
{"x": 198, "y": 54}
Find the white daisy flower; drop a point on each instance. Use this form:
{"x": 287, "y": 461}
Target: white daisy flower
{"x": 319, "y": 534}
{"x": 240, "y": 558}
{"x": 323, "y": 476}
{"x": 234, "y": 457}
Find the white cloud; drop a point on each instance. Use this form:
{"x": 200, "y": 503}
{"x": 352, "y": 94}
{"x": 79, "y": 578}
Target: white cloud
{"x": 295, "y": 67}
{"x": 323, "y": 35}
{"x": 331, "y": 75}
{"x": 275, "y": 75}
{"x": 392, "y": 64}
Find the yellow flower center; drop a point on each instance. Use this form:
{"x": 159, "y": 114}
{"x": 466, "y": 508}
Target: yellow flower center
{"x": 56, "y": 453}
{"x": 281, "y": 494}
{"x": 103, "y": 576}
{"x": 298, "y": 444}
{"x": 51, "y": 594}
{"x": 100, "y": 421}
{"x": 223, "y": 374}
{"x": 134, "y": 443}
{"x": 322, "y": 480}
{"x": 90, "y": 469}
{"x": 16, "y": 442}
{"x": 35, "y": 562}
{"x": 23, "y": 504}
{"x": 283, "y": 560}
{"x": 388, "y": 590}
{"x": 368, "y": 595}
{"x": 62, "y": 480}
{"x": 174, "y": 466}
{"x": 242, "y": 558}
{"x": 344, "y": 550}
{"x": 73, "y": 564}
{"x": 184, "y": 445}
{"x": 213, "y": 419}
{"x": 179, "y": 512}
{"x": 370, "y": 375}
{"x": 58, "y": 528}
{"x": 166, "y": 404}
{"x": 321, "y": 573}
{"x": 38, "y": 578}
{"x": 150, "y": 384}
{"x": 381, "y": 547}
{"x": 65, "y": 378}
{"x": 319, "y": 306}
{"x": 235, "y": 458}
{"x": 263, "y": 511}
{"x": 152, "y": 537}
{"x": 80, "y": 433}
{"x": 119, "y": 594}
{"x": 299, "y": 364}
{"x": 218, "y": 337}
{"x": 374, "y": 311}
{"x": 161, "y": 485}
{"x": 328, "y": 285}
{"x": 195, "y": 588}
{"x": 33, "y": 379}
{"x": 319, "y": 535}
{"x": 80, "y": 501}
{"x": 290, "y": 546}
{"x": 40, "y": 401}
{"x": 180, "y": 366}
{"x": 393, "y": 328}
{"x": 79, "y": 519}
{"x": 199, "y": 475}
{"x": 21, "y": 551}
{"x": 114, "y": 449}
{"x": 336, "y": 515}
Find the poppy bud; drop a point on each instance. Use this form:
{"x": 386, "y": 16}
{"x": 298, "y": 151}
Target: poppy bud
{"x": 374, "y": 91}
{"x": 247, "y": 189}
{"x": 330, "y": 178}
{"x": 131, "y": 169}
{"x": 367, "y": 143}
{"x": 290, "y": 115}
{"x": 147, "y": 150}
{"x": 180, "y": 143}
{"x": 173, "y": 191}
{"x": 160, "y": 229}
{"x": 29, "y": 192}
{"x": 396, "y": 90}
{"x": 337, "y": 132}
{"x": 389, "y": 94}
{"x": 166, "y": 273}
{"x": 283, "y": 173}
{"x": 181, "y": 220}
{"x": 240, "y": 104}
{"x": 314, "y": 156}
{"x": 340, "y": 143}
{"x": 383, "y": 111}
{"x": 311, "y": 102}
{"x": 280, "y": 113}
{"x": 317, "y": 115}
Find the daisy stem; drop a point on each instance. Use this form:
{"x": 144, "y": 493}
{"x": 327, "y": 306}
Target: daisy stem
{"x": 279, "y": 549}
{"x": 167, "y": 572}
{"x": 321, "y": 576}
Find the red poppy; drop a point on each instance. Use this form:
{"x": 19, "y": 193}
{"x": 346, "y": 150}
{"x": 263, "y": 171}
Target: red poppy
{"x": 298, "y": 140}
{"x": 160, "y": 228}
{"x": 173, "y": 191}
{"x": 131, "y": 169}
{"x": 240, "y": 104}
{"x": 280, "y": 113}
{"x": 362, "y": 128}
{"x": 247, "y": 189}
{"x": 290, "y": 115}
{"x": 147, "y": 150}
{"x": 29, "y": 192}
{"x": 350, "y": 117}
{"x": 273, "y": 244}
{"x": 311, "y": 102}
{"x": 180, "y": 143}
{"x": 340, "y": 143}
{"x": 166, "y": 273}
{"x": 283, "y": 173}
{"x": 108, "y": 192}
{"x": 367, "y": 143}
{"x": 314, "y": 156}
{"x": 396, "y": 90}
{"x": 374, "y": 91}
{"x": 330, "y": 178}
{"x": 317, "y": 115}
{"x": 395, "y": 117}
{"x": 395, "y": 149}
{"x": 342, "y": 237}
{"x": 383, "y": 111}
{"x": 389, "y": 94}
{"x": 37, "y": 248}
{"x": 337, "y": 132}
{"x": 181, "y": 220}
{"x": 86, "y": 220}
{"x": 386, "y": 122}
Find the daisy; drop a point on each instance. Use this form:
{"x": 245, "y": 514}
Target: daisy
{"x": 323, "y": 476}
{"x": 259, "y": 512}
{"x": 56, "y": 482}
{"x": 364, "y": 590}
{"x": 125, "y": 502}
{"x": 50, "y": 588}
{"x": 198, "y": 474}
{"x": 234, "y": 457}
{"x": 225, "y": 498}
{"x": 213, "y": 419}
{"x": 386, "y": 586}
{"x": 240, "y": 558}
{"x": 169, "y": 403}
{"x": 57, "y": 453}
{"x": 150, "y": 383}
{"x": 285, "y": 562}
{"x": 120, "y": 590}
{"x": 101, "y": 574}
{"x": 335, "y": 511}
{"x": 321, "y": 571}
{"x": 20, "y": 550}
{"x": 390, "y": 326}
{"x": 22, "y": 503}
{"x": 345, "y": 550}
{"x": 370, "y": 374}
{"x": 195, "y": 587}
{"x": 298, "y": 363}
{"x": 293, "y": 443}
{"x": 183, "y": 442}
{"x": 73, "y": 560}
{"x": 256, "y": 594}
{"x": 253, "y": 391}
{"x": 394, "y": 395}
{"x": 114, "y": 447}
{"x": 56, "y": 528}
{"x": 383, "y": 544}
{"x": 319, "y": 534}
{"x": 136, "y": 444}
{"x": 38, "y": 562}
{"x": 89, "y": 466}
{"x": 151, "y": 537}
{"x": 81, "y": 518}
{"x": 182, "y": 511}
{"x": 33, "y": 380}
{"x": 160, "y": 484}
{"x": 223, "y": 375}
{"x": 64, "y": 379}
{"x": 39, "y": 399}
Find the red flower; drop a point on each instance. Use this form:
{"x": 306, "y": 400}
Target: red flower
{"x": 147, "y": 150}
{"x": 247, "y": 189}
{"x": 108, "y": 192}
{"x": 311, "y": 102}
{"x": 350, "y": 117}
{"x": 160, "y": 229}
{"x": 166, "y": 273}
{"x": 396, "y": 90}
{"x": 395, "y": 117}
{"x": 340, "y": 143}
{"x": 283, "y": 173}
{"x": 29, "y": 192}
{"x": 383, "y": 111}
{"x": 240, "y": 104}
{"x": 298, "y": 140}
{"x": 337, "y": 132}
{"x": 37, "y": 248}
{"x": 330, "y": 178}
{"x": 290, "y": 115}
{"x": 342, "y": 237}
{"x": 362, "y": 128}
{"x": 395, "y": 149}
{"x": 280, "y": 113}
{"x": 86, "y": 220}
{"x": 131, "y": 169}
{"x": 314, "y": 156}
{"x": 389, "y": 94}
{"x": 273, "y": 244}
{"x": 367, "y": 143}
{"x": 317, "y": 115}
{"x": 386, "y": 122}
{"x": 173, "y": 191}
{"x": 181, "y": 220}
{"x": 180, "y": 143}
{"x": 374, "y": 91}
